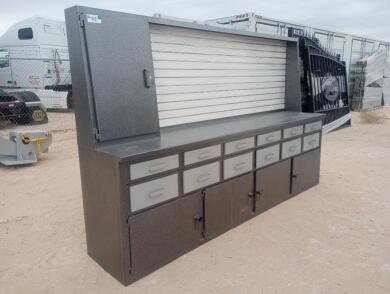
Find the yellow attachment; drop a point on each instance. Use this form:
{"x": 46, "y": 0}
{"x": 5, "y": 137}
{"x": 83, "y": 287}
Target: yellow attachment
{"x": 26, "y": 140}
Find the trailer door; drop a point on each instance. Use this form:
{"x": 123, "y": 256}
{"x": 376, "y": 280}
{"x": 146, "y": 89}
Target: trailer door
{"x": 5, "y": 69}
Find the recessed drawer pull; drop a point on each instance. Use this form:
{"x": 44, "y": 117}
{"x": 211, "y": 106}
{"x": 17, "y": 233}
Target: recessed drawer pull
{"x": 157, "y": 193}
{"x": 203, "y": 178}
{"x": 270, "y": 138}
{"x": 239, "y": 165}
{"x": 204, "y": 155}
{"x": 312, "y": 142}
{"x": 294, "y": 132}
{"x": 241, "y": 145}
{"x": 269, "y": 156}
{"x": 157, "y": 168}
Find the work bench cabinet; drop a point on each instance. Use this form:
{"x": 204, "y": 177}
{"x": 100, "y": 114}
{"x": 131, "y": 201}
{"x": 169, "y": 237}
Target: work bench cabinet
{"x": 195, "y": 195}
{"x": 184, "y": 132}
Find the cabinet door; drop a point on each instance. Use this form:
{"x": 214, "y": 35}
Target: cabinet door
{"x": 159, "y": 235}
{"x": 306, "y": 171}
{"x": 272, "y": 185}
{"x": 228, "y": 204}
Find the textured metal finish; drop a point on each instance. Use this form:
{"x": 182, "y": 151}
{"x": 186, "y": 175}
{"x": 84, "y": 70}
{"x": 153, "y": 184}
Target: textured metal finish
{"x": 311, "y": 141}
{"x": 268, "y": 155}
{"x": 209, "y": 133}
{"x": 291, "y": 148}
{"x": 153, "y": 192}
{"x": 160, "y": 235}
{"x": 200, "y": 177}
{"x": 202, "y": 154}
{"x": 239, "y": 145}
{"x": 228, "y": 205}
{"x": 292, "y": 132}
{"x": 272, "y": 185}
{"x": 269, "y": 138}
{"x": 314, "y": 126}
{"x": 154, "y": 166}
{"x": 306, "y": 171}
{"x": 237, "y": 165}
{"x": 123, "y": 106}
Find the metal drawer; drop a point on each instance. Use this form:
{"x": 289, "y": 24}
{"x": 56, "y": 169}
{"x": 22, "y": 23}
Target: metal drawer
{"x": 200, "y": 177}
{"x": 314, "y": 126}
{"x": 153, "y": 192}
{"x": 155, "y": 166}
{"x": 292, "y": 132}
{"x": 237, "y": 165}
{"x": 239, "y": 145}
{"x": 202, "y": 154}
{"x": 291, "y": 148}
{"x": 267, "y": 155}
{"x": 269, "y": 138}
{"x": 311, "y": 141}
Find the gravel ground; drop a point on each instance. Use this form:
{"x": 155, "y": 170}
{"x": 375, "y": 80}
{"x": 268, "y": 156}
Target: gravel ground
{"x": 333, "y": 238}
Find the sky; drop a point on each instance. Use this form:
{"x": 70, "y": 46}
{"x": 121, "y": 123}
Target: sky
{"x": 367, "y": 18}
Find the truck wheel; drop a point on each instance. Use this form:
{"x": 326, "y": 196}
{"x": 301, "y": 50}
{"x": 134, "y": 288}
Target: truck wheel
{"x": 36, "y": 115}
{"x": 69, "y": 100}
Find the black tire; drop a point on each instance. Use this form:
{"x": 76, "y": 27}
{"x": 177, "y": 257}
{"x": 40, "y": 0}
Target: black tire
{"x": 69, "y": 100}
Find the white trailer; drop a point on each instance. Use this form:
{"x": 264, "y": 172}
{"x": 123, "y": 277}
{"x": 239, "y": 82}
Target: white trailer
{"x": 34, "y": 57}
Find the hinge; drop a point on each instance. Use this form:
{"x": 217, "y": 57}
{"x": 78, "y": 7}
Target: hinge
{"x": 96, "y": 133}
{"x": 81, "y": 21}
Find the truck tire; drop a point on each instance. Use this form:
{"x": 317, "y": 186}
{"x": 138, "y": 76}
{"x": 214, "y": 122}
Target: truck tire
{"x": 69, "y": 100}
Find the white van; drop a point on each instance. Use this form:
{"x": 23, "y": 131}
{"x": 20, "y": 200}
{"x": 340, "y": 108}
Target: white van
{"x": 34, "y": 57}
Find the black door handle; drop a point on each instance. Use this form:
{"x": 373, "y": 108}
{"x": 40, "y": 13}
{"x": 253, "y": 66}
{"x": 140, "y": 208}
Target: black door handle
{"x": 198, "y": 218}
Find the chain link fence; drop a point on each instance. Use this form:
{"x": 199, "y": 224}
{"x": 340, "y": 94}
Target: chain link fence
{"x": 35, "y": 93}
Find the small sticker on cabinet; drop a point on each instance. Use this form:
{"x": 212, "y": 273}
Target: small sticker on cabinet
{"x": 93, "y": 18}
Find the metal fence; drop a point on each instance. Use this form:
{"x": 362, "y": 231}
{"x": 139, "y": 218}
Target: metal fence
{"x": 30, "y": 87}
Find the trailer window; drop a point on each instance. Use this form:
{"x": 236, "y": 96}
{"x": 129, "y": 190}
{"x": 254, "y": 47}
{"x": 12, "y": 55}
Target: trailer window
{"x": 25, "y": 34}
{"x": 4, "y": 58}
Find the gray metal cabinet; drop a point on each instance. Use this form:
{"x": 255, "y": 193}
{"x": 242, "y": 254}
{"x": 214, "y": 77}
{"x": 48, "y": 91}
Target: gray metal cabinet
{"x": 305, "y": 171}
{"x": 272, "y": 185}
{"x": 228, "y": 205}
{"x": 161, "y": 234}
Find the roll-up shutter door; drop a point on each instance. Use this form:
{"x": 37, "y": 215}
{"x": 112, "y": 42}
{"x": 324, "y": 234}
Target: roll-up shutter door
{"x": 203, "y": 75}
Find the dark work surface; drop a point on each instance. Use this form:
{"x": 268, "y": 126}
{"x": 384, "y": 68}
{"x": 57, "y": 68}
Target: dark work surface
{"x": 204, "y": 132}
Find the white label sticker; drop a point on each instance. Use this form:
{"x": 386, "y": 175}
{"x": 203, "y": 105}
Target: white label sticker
{"x": 93, "y": 18}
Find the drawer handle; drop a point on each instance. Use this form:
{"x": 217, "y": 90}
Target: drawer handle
{"x": 294, "y": 132}
{"x": 157, "y": 168}
{"x": 312, "y": 142}
{"x": 204, "y": 155}
{"x": 292, "y": 148}
{"x": 157, "y": 193}
{"x": 241, "y": 145}
{"x": 203, "y": 178}
{"x": 269, "y": 156}
{"x": 240, "y": 165}
{"x": 270, "y": 138}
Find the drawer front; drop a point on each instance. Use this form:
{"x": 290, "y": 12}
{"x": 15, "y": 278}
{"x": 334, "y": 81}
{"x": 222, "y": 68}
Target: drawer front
{"x": 239, "y": 145}
{"x": 291, "y": 148}
{"x": 155, "y": 166}
{"x": 292, "y": 132}
{"x": 267, "y": 155}
{"x": 202, "y": 154}
{"x": 200, "y": 177}
{"x": 269, "y": 138}
{"x": 314, "y": 126}
{"x": 153, "y": 192}
{"x": 237, "y": 165}
{"x": 311, "y": 141}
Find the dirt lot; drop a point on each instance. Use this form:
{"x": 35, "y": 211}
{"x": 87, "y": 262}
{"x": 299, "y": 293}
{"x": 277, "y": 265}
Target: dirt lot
{"x": 334, "y": 238}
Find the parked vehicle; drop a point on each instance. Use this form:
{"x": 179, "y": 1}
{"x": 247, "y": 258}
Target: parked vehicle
{"x": 22, "y": 107}
{"x": 34, "y": 57}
